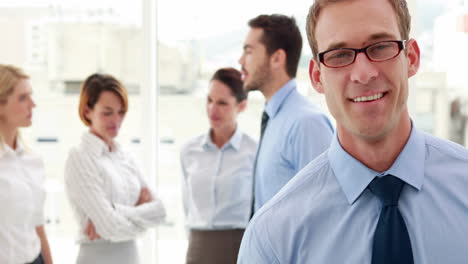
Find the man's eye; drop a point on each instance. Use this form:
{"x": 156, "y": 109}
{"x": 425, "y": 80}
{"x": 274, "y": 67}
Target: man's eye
{"x": 380, "y": 47}
{"x": 340, "y": 55}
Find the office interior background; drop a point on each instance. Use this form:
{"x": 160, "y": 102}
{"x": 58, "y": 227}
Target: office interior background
{"x": 165, "y": 52}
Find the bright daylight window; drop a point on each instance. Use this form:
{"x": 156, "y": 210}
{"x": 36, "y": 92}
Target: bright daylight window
{"x": 59, "y": 43}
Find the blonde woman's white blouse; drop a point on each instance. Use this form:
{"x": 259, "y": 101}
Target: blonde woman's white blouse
{"x": 22, "y": 198}
{"x": 103, "y": 187}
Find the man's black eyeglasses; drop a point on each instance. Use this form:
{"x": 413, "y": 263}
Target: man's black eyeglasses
{"x": 380, "y": 51}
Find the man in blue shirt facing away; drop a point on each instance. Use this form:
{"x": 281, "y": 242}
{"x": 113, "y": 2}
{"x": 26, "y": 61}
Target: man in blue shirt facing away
{"x": 294, "y": 130}
{"x": 384, "y": 192}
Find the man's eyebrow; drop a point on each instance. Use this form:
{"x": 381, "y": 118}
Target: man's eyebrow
{"x": 247, "y": 46}
{"x": 373, "y": 37}
{"x": 338, "y": 45}
{"x": 382, "y": 35}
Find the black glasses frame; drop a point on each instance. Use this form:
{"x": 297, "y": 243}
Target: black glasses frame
{"x": 401, "y": 46}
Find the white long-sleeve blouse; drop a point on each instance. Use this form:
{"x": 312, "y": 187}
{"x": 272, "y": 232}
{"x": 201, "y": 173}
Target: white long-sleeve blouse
{"x": 103, "y": 186}
{"x": 22, "y": 197}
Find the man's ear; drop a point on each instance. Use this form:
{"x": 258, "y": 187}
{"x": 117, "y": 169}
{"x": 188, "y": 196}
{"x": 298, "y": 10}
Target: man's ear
{"x": 314, "y": 74}
{"x": 278, "y": 59}
{"x": 414, "y": 55}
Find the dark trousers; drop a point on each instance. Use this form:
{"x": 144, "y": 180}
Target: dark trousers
{"x": 214, "y": 246}
{"x": 38, "y": 260}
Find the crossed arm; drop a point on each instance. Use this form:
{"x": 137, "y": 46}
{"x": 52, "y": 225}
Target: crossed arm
{"x": 145, "y": 197}
{"x": 110, "y": 221}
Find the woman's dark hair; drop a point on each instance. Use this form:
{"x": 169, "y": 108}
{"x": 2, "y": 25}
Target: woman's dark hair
{"x": 232, "y": 78}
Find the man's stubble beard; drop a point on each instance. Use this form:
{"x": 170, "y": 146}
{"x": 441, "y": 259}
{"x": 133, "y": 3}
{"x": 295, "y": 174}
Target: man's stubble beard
{"x": 260, "y": 80}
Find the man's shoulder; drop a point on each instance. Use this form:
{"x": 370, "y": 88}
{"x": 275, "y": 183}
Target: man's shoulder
{"x": 449, "y": 149}
{"x": 294, "y": 213}
{"x": 301, "y": 107}
{"x": 305, "y": 185}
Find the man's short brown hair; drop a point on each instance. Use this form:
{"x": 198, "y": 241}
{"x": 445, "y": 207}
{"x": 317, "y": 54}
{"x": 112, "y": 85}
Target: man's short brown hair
{"x": 400, "y": 7}
{"x": 280, "y": 32}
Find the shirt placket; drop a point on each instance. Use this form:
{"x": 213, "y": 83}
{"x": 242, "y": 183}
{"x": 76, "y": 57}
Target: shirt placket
{"x": 118, "y": 181}
{"x": 215, "y": 189}
{"x": 20, "y": 167}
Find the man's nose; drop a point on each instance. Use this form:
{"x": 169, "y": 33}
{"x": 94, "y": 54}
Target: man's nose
{"x": 363, "y": 70}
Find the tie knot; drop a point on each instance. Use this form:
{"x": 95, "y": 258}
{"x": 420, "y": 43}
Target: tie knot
{"x": 387, "y": 188}
{"x": 265, "y": 117}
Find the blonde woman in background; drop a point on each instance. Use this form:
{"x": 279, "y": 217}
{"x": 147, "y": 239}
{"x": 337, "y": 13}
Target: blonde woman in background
{"x": 108, "y": 193}
{"x": 22, "y": 195}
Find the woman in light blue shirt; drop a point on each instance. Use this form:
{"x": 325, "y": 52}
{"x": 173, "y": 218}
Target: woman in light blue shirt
{"x": 217, "y": 175}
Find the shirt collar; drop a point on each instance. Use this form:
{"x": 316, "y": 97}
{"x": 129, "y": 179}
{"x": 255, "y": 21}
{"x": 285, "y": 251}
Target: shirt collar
{"x": 96, "y": 145}
{"x": 275, "y": 103}
{"x": 20, "y": 147}
{"x": 5, "y": 149}
{"x": 234, "y": 141}
{"x": 354, "y": 177}
{"x": 206, "y": 141}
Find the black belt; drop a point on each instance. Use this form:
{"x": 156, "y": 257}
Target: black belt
{"x": 38, "y": 260}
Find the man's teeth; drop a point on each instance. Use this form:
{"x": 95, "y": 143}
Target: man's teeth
{"x": 368, "y": 98}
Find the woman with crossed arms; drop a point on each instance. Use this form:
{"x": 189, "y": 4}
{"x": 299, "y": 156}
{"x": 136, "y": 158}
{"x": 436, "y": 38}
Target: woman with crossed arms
{"x": 109, "y": 195}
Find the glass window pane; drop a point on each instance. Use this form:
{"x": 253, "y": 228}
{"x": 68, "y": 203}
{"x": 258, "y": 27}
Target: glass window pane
{"x": 59, "y": 44}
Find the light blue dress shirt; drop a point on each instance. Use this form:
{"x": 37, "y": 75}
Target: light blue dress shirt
{"x": 296, "y": 133}
{"x": 326, "y": 214}
{"x": 217, "y": 182}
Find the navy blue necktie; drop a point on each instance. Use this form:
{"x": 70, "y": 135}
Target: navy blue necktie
{"x": 263, "y": 126}
{"x": 392, "y": 244}
{"x": 265, "y": 118}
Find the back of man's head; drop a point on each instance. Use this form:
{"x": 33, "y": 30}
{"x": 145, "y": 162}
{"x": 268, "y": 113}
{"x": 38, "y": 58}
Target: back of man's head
{"x": 281, "y": 32}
